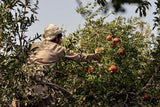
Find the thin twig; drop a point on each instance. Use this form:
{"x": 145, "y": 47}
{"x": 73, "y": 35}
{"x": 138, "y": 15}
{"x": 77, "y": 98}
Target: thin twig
{"x": 126, "y": 99}
{"x": 93, "y": 35}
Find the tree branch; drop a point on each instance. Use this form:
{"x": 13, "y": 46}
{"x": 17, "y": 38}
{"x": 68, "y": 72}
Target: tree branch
{"x": 56, "y": 87}
{"x": 157, "y": 69}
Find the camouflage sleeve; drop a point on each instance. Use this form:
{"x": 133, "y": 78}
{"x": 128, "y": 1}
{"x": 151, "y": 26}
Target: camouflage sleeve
{"x": 78, "y": 57}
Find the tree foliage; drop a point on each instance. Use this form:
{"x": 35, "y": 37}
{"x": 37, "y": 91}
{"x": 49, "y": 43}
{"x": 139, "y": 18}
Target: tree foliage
{"x": 142, "y": 5}
{"x": 129, "y": 85}
{"x": 15, "y": 19}
{"x": 134, "y": 82}
{"x": 118, "y": 6}
{"x": 157, "y": 14}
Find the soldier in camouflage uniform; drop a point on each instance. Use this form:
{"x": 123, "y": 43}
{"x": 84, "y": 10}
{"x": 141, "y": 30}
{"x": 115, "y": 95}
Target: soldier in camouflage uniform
{"x": 48, "y": 52}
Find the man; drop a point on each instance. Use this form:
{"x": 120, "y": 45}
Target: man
{"x": 47, "y": 53}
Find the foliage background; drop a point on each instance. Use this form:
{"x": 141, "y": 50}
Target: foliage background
{"x": 98, "y": 87}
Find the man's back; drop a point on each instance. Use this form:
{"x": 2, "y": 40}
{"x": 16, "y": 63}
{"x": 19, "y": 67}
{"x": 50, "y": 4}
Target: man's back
{"x": 46, "y": 53}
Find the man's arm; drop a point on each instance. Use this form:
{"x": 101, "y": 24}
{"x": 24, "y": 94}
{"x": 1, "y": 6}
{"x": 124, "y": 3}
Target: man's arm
{"x": 81, "y": 57}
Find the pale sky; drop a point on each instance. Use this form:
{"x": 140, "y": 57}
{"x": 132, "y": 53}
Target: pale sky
{"x": 63, "y": 14}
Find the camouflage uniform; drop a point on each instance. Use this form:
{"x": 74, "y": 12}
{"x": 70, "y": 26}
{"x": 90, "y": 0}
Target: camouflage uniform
{"x": 48, "y": 53}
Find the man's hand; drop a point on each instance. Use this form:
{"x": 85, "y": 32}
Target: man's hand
{"x": 99, "y": 50}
